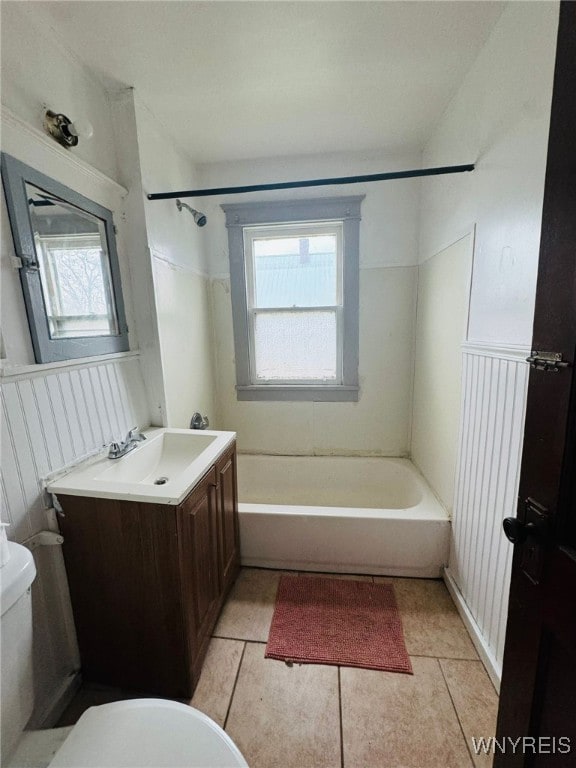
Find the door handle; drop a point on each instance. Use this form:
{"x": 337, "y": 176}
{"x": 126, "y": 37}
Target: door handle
{"x": 535, "y": 523}
{"x": 532, "y": 532}
{"x": 516, "y": 530}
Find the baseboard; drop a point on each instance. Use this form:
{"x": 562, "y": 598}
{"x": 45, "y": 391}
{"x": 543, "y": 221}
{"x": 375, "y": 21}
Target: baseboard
{"x": 362, "y": 569}
{"x": 492, "y": 666}
{"x": 49, "y": 716}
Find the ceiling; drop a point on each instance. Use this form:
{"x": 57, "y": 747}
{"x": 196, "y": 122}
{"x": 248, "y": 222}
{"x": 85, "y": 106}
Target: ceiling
{"x": 237, "y": 80}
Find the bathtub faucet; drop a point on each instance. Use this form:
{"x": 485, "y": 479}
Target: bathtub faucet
{"x": 198, "y": 421}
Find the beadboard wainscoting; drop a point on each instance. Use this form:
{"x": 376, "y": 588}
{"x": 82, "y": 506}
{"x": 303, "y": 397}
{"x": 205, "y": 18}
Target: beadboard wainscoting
{"x": 52, "y": 417}
{"x": 494, "y": 388}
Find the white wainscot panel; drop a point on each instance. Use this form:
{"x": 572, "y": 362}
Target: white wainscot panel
{"x": 51, "y": 418}
{"x": 494, "y": 384}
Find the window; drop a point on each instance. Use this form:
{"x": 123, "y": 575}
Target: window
{"x": 294, "y": 285}
{"x": 294, "y": 289}
{"x": 68, "y": 267}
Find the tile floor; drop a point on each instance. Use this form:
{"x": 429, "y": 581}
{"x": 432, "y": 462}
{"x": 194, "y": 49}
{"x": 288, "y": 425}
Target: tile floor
{"x": 314, "y": 716}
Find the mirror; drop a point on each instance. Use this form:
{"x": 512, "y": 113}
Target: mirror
{"x": 74, "y": 264}
{"x": 69, "y": 273}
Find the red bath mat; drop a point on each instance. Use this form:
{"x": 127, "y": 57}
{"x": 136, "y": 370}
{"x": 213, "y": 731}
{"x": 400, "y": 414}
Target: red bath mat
{"x": 318, "y": 620}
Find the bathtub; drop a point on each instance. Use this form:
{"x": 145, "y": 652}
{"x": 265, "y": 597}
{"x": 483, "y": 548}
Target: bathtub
{"x": 340, "y": 514}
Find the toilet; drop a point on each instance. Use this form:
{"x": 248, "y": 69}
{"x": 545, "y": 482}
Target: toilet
{"x": 140, "y": 733}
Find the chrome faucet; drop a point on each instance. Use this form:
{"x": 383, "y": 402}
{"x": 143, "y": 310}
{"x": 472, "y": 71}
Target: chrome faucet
{"x": 117, "y": 450}
{"x": 198, "y": 421}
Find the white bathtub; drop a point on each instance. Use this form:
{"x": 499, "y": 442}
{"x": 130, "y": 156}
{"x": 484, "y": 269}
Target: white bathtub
{"x": 340, "y": 514}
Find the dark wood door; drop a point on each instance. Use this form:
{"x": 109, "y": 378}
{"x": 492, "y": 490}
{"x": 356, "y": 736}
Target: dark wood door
{"x": 538, "y": 694}
{"x": 229, "y": 546}
{"x": 198, "y": 551}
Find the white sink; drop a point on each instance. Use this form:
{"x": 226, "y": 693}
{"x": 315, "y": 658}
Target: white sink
{"x": 163, "y": 457}
{"x": 162, "y": 469}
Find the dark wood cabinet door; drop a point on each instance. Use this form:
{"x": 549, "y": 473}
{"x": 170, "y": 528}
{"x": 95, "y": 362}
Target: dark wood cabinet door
{"x": 198, "y": 548}
{"x": 122, "y": 564}
{"x": 229, "y": 541}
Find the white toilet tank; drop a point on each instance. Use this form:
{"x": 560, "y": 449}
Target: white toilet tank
{"x": 17, "y": 685}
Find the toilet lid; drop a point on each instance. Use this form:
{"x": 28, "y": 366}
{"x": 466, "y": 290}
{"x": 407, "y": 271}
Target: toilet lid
{"x": 144, "y": 733}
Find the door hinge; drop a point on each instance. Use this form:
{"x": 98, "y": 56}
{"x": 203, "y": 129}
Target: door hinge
{"x": 547, "y": 361}
{"x": 24, "y": 262}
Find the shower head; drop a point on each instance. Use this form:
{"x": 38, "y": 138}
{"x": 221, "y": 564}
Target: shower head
{"x": 199, "y": 218}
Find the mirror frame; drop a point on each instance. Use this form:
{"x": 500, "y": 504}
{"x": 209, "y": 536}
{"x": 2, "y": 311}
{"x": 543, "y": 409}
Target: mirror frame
{"x": 15, "y": 175}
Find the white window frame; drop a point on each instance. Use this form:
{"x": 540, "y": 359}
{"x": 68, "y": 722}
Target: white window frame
{"x": 245, "y": 221}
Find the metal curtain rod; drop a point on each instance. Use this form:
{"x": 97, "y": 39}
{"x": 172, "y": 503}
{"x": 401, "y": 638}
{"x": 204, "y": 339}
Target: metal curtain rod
{"x": 313, "y": 182}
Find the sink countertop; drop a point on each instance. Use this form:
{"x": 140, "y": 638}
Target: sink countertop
{"x": 178, "y": 457}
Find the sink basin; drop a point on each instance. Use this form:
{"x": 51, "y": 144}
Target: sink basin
{"x": 158, "y": 460}
{"x": 162, "y": 469}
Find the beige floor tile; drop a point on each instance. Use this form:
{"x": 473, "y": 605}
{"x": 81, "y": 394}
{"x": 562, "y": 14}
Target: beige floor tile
{"x": 214, "y": 690}
{"x": 248, "y": 611}
{"x": 400, "y": 721}
{"x": 475, "y": 700}
{"x": 285, "y": 717}
{"x": 346, "y": 576}
{"x": 432, "y": 626}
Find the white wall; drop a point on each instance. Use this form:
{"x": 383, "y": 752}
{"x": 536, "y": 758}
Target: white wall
{"x": 379, "y": 423}
{"x": 39, "y": 72}
{"x": 442, "y": 315}
{"x": 499, "y": 118}
{"x": 184, "y": 321}
{"x": 181, "y": 283}
{"x": 133, "y": 228}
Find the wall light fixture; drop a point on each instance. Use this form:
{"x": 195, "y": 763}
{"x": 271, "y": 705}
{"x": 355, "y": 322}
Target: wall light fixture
{"x": 64, "y": 130}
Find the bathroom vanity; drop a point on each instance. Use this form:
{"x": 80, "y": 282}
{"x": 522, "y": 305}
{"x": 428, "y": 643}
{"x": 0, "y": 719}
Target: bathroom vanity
{"x": 148, "y": 575}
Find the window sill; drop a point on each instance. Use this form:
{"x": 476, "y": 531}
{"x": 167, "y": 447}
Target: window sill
{"x": 298, "y": 393}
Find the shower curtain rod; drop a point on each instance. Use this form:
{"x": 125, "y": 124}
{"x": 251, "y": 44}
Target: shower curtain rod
{"x": 312, "y": 182}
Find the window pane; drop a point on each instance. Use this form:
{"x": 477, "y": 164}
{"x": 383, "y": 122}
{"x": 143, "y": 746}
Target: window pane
{"x": 71, "y": 249}
{"x": 296, "y": 271}
{"x": 292, "y": 346}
